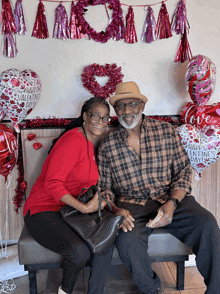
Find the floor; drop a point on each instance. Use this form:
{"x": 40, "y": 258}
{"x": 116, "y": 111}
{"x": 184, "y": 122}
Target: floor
{"x": 119, "y": 281}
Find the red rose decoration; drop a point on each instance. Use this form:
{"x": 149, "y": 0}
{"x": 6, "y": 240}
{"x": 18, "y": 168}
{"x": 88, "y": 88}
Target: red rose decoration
{"x": 89, "y": 82}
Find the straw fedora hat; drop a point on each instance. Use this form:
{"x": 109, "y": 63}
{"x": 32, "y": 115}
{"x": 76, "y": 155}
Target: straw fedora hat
{"x": 127, "y": 90}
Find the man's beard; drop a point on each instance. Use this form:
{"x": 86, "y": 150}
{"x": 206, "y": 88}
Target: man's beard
{"x": 135, "y": 122}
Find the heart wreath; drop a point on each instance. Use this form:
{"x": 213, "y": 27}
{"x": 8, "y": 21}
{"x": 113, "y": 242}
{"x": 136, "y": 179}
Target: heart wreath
{"x": 113, "y": 26}
{"x": 89, "y": 82}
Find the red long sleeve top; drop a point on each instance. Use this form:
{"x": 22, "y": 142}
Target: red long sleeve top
{"x": 69, "y": 167}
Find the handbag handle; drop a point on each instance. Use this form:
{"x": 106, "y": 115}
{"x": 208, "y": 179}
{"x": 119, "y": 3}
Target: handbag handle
{"x": 91, "y": 189}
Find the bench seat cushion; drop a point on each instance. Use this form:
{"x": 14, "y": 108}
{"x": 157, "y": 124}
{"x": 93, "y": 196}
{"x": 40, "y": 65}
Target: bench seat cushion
{"x": 160, "y": 244}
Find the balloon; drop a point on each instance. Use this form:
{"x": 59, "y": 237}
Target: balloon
{"x": 8, "y": 150}
{"x": 200, "y": 79}
{"x": 19, "y": 93}
{"x": 2, "y": 114}
{"x": 202, "y": 146}
{"x": 200, "y": 116}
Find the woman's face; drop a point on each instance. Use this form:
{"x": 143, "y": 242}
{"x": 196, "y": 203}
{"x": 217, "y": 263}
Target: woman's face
{"x": 96, "y": 121}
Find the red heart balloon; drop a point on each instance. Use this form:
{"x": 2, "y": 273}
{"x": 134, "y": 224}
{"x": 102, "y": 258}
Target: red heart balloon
{"x": 31, "y": 137}
{"x": 201, "y": 116}
{"x": 37, "y": 145}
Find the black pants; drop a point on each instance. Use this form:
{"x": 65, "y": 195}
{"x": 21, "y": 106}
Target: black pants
{"x": 192, "y": 224}
{"x": 52, "y": 232}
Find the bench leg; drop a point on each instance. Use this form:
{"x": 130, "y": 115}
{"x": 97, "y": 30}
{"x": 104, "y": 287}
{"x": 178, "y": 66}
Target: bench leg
{"x": 180, "y": 275}
{"x": 32, "y": 282}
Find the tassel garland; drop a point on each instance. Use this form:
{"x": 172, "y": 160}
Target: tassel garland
{"x": 184, "y": 52}
{"x": 75, "y": 28}
{"x": 19, "y": 18}
{"x": 179, "y": 20}
{"x": 148, "y": 34}
{"x": 130, "y": 33}
{"x": 61, "y": 28}
{"x": 8, "y": 29}
{"x": 40, "y": 29}
{"x": 163, "y": 27}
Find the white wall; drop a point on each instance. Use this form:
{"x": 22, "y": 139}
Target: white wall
{"x": 60, "y": 63}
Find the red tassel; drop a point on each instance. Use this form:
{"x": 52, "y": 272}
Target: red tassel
{"x": 130, "y": 33}
{"x": 148, "y": 34}
{"x": 163, "y": 27}
{"x": 40, "y": 29}
{"x": 75, "y": 28}
{"x": 61, "y": 28}
{"x": 19, "y": 18}
{"x": 184, "y": 52}
{"x": 179, "y": 20}
{"x": 8, "y": 25}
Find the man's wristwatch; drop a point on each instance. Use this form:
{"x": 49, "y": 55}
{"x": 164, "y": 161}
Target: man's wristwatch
{"x": 175, "y": 201}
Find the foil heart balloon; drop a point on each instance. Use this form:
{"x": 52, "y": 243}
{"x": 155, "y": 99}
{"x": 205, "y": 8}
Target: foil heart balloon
{"x": 19, "y": 93}
{"x": 2, "y": 114}
{"x": 8, "y": 150}
{"x": 200, "y": 79}
{"x": 201, "y": 116}
{"x": 202, "y": 146}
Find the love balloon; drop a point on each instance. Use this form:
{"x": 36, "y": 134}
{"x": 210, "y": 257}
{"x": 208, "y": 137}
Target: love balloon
{"x": 8, "y": 150}
{"x": 19, "y": 93}
{"x": 202, "y": 146}
{"x": 200, "y": 79}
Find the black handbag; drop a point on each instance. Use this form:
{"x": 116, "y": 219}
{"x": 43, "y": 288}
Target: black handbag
{"x": 98, "y": 229}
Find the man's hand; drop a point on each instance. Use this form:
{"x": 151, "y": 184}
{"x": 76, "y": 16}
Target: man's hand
{"x": 164, "y": 216}
{"x": 128, "y": 219}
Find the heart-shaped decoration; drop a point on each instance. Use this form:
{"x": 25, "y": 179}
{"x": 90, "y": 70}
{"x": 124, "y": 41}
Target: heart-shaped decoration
{"x": 202, "y": 146}
{"x": 2, "y": 114}
{"x": 114, "y": 27}
{"x": 201, "y": 116}
{"x": 19, "y": 93}
{"x": 90, "y": 83}
{"x": 37, "y": 145}
{"x": 31, "y": 137}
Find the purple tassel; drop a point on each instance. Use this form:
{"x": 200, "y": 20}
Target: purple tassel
{"x": 179, "y": 20}
{"x": 61, "y": 28}
{"x": 148, "y": 34}
{"x": 19, "y": 18}
{"x": 10, "y": 49}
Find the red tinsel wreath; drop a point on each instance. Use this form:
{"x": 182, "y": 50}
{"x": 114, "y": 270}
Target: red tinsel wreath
{"x": 113, "y": 25}
{"x": 90, "y": 83}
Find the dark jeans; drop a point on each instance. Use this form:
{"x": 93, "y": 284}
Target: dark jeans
{"x": 52, "y": 232}
{"x": 192, "y": 224}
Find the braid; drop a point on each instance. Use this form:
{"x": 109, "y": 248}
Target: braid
{"x": 78, "y": 122}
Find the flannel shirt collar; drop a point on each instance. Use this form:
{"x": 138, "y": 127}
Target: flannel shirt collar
{"x": 122, "y": 133}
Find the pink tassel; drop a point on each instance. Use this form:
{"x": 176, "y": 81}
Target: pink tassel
{"x": 148, "y": 34}
{"x": 184, "y": 52}
{"x": 61, "y": 28}
{"x": 75, "y": 28}
{"x": 10, "y": 49}
{"x": 130, "y": 33}
{"x": 163, "y": 27}
{"x": 119, "y": 33}
{"x": 179, "y": 20}
{"x": 8, "y": 25}
{"x": 19, "y": 18}
{"x": 40, "y": 29}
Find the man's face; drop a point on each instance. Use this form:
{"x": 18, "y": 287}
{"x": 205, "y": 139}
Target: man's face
{"x": 129, "y": 112}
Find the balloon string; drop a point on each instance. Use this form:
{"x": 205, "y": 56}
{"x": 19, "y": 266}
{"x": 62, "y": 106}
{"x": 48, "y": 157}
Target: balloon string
{"x": 133, "y": 5}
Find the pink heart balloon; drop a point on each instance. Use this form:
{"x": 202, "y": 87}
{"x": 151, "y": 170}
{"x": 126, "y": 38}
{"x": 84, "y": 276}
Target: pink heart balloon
{"x": 19, "y": 93}
{"x": 202, "y": 146}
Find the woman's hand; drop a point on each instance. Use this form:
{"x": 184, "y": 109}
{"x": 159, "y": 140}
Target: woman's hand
{"x": 93, "y": 204}
{"x": 128, "y": 222}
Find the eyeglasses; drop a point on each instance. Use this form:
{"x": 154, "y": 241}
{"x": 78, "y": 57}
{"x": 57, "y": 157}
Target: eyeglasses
{"x": 97, "y": 117}
{"x": 130, "y": 105}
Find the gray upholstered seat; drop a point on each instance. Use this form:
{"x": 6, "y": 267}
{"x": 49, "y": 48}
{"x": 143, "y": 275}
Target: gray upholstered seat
{"x": 162, "y": 246}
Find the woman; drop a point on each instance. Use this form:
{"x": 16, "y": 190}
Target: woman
{"x": 69, "y": 167}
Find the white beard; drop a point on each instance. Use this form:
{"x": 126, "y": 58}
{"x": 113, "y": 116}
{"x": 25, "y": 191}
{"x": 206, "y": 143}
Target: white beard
{"x": 136, "y": 120}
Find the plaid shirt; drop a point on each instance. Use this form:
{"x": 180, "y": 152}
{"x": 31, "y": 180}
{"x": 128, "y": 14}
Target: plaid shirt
{"x": 162, "y": 166}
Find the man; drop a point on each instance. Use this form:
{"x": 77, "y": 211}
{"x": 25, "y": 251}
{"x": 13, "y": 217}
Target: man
{"x": 145, "y": 169}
